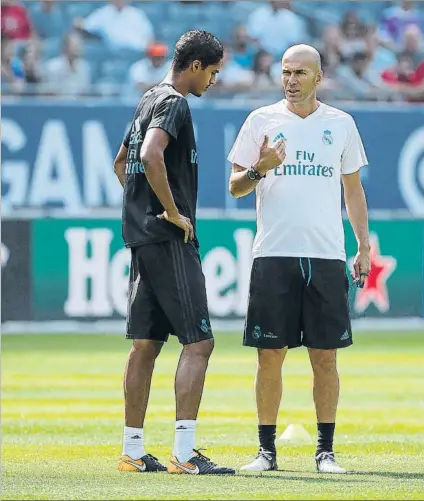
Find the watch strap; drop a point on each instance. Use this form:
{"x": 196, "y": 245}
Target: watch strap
{"x": 253, "y": 174}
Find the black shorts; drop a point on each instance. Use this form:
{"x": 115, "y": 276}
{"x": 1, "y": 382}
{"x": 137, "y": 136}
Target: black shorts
{"x": 298, "y": 301}
{"x": 167, "y": 293}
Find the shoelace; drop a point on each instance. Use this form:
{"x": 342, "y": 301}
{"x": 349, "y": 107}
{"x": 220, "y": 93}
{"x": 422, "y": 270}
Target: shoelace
{"x": 322, "y": 456}
{"x": 266, "y": 454}
{"x": 203, "y": 457}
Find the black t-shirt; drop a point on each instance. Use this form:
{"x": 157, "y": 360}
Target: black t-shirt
{"x": 165, "y": 108}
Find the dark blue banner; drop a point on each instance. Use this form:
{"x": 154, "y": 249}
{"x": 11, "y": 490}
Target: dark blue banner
{"x": 61, "y": 155}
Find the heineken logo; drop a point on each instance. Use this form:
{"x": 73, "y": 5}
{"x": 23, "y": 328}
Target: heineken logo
{"x": 375, "y": 289}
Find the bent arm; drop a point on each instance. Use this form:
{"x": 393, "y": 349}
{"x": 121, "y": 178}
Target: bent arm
{"x": 120, "y": 162}
{"x": 240, "y": 184}
{"x": 152, "y": 158}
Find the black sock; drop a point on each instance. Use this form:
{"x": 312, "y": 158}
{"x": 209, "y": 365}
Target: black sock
{"x": 267, "y": 437}
{"x": 325, "y": 437}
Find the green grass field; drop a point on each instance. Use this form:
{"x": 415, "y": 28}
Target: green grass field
{"x": 62, "y": 422}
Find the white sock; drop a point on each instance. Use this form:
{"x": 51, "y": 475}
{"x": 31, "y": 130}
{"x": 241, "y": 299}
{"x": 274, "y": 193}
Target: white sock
{"x": 133, "y": 443}
{"x": 185, "y": 431}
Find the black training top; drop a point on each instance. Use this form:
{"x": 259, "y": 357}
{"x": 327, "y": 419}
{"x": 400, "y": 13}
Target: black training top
{"x": 163, "y": 107}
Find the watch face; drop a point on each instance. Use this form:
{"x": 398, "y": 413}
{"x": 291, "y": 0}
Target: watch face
{"x": 251, "y": 174}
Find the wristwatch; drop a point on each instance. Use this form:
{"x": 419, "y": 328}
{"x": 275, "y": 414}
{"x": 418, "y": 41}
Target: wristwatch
{"x": 253, "y": 174}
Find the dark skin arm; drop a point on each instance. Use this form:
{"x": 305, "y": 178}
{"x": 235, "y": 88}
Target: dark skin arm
{"x": 152, "y": 158}
{"x": 119, "y": 163}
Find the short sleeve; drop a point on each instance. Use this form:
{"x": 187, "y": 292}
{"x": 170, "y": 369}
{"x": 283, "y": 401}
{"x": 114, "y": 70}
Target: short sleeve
{"x": 353, "y": 157}
{"x": 94, "y": 22}
{"x": 245, "y": 151}
{"x": 169, "y": 115}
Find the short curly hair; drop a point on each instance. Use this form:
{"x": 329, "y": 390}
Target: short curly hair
{"x": 197, "y": 45}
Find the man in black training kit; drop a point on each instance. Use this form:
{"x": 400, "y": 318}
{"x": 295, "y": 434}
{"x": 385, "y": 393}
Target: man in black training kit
{"x": 157, "y": 166}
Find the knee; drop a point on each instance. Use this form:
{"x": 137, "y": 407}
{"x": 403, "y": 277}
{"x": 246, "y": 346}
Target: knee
{"x": 324, "y": 362}
{"x": 202, "y": 349}
{"x": 146, "y": 349}
{"x": 269, "y": 359}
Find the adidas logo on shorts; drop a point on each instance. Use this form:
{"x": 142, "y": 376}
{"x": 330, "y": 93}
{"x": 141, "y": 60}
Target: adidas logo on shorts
{"x": 345, "y": 336}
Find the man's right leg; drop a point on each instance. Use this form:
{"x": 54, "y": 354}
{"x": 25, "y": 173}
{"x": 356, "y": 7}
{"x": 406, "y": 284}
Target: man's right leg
{"x": 148, "y": 329}
{"x": 137, "y": 380}
{"x": 268, "y": 388}
{"x": 272, "y": 325}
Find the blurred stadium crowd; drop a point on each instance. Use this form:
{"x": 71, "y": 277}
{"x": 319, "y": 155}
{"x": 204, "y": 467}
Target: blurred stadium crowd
{"x": 371, "y": 51}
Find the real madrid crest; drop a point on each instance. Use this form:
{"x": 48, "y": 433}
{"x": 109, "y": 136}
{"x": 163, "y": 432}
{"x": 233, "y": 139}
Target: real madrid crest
{"x": 256, "y": 332}
{"x": 327, "y": 138}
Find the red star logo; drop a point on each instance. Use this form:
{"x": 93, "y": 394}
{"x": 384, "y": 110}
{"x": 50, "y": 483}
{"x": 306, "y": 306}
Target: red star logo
{"x": 375, "y": 288}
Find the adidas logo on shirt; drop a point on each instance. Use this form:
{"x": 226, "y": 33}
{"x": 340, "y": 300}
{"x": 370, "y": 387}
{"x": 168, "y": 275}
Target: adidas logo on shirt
{"x": 279, "y": 136}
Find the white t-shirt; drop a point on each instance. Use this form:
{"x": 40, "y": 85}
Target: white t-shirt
{"x": 127, "y": 28}
{"x": 276, "y": 31}
{"x": 145, "y": 73}
{"x": 298, "y": 204}
{"x": 66, "y": 80}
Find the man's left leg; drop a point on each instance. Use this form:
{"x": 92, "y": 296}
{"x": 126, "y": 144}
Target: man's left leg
{"x": 179, "y": 284}
{"x": 326, "y": 396}
{"x": 326, "y": 328}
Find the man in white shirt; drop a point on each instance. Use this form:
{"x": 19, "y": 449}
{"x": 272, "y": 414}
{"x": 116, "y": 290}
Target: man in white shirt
{"x": 69, "y": 74}
{"x": 120, "y": 25}
{"x": 151, "y": 70}
{"x": 295, "y": 153}
{"x": 276, "y": 26}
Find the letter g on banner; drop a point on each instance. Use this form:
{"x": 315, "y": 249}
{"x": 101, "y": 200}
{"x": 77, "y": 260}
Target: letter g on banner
{"x": 411, "y": 172}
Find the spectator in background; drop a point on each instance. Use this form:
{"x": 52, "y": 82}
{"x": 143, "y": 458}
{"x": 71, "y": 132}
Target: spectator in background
{"x": 403, "y": 73}
{"x": 264, "y": 77}
{"x": 12, "y": 70}
{"x": 150, "y": 71}
{"x": 121, "y": 26}
{"x": 330, "y": 47}
{"x": 48, "y": 19}
{"x": 420, "y": 72}
{"x": 395, "y": 19}
{"x": 413, "y": 44}
{"x": 15, "y": 23}
{"x": 69, "y": 74}
{"x": 276, "y": 27}
{"x": 330, "y": 87}
{"x": 359, "y": 81}
{"x": 232, "y": 76}
{"x": 30, "y": 56}
{"x": 243, "y": 47}
{"x": 404, "y": 80}
{"x": 380, "y": 56}
{"x": 353, "y": 33}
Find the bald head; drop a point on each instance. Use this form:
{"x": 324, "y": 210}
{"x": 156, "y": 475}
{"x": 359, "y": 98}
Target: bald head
{"x": 301, "y": 74}
{"x": 303, "y": 53}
